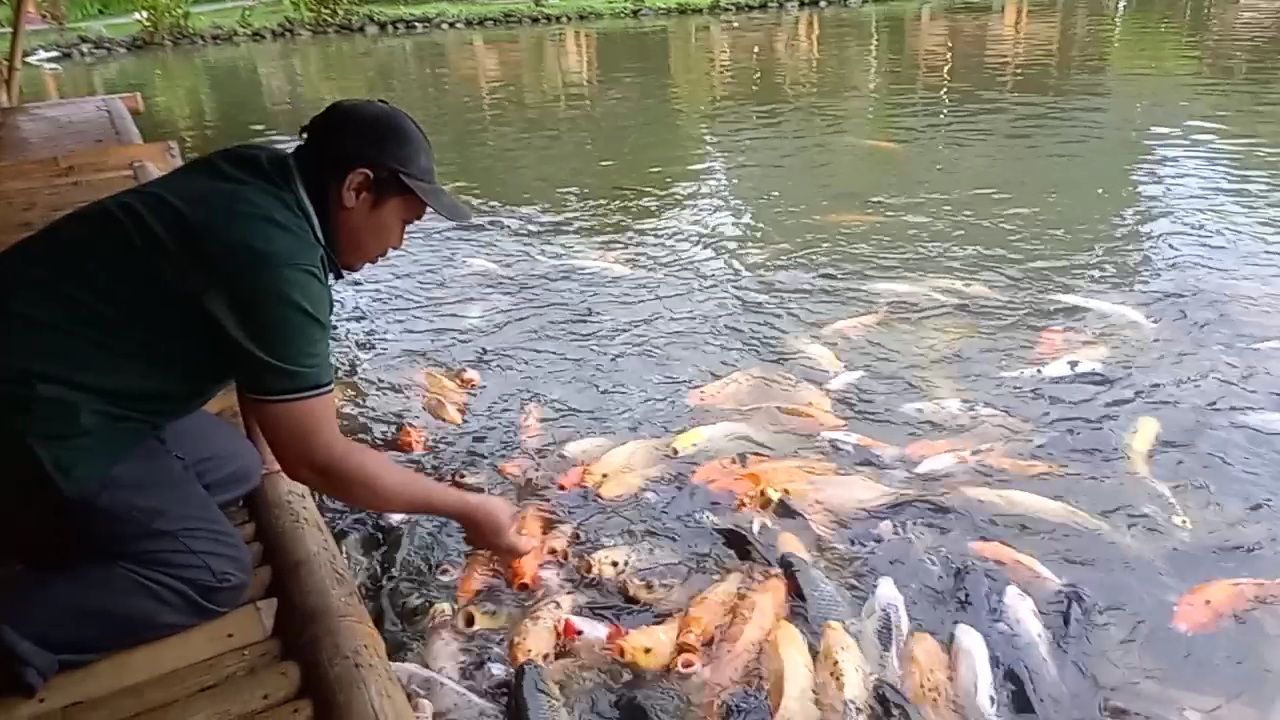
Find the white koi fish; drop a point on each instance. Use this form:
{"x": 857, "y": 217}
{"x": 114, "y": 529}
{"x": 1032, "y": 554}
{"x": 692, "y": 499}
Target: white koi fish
{"x": 1062, "y": 367}
{"x": 973, "y": 679}
{"x": 884, "y": 629}
{"x": 844, "y": 380}
{"x": 1103, "y": 306}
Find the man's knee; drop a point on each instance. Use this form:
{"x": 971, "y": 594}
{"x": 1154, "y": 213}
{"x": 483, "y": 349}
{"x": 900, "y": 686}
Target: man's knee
{"x": 241, "y": 471}
{"x": 226, "y": 464}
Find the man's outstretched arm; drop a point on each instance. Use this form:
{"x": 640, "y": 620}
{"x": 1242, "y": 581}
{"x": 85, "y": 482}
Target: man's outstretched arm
{"x": 305, "y": 438}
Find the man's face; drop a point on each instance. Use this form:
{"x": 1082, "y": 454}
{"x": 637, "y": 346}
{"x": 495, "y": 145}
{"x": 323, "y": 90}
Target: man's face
{"x": 366, "y": 229}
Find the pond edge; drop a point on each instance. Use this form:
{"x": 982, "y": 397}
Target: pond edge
{"x": 413, "y": 21}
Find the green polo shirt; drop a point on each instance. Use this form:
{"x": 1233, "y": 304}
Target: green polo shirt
{"x": 135, "y": 310}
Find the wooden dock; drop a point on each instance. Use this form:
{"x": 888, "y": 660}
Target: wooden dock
{"x": 302, "y": 645}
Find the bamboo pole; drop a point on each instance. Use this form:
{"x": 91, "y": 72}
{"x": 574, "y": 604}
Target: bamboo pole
{"x": 323, "y": 620}
{"x": 14, "y": 79}
{"x": 133, "y": 102}
{"x": 122, "y": 121}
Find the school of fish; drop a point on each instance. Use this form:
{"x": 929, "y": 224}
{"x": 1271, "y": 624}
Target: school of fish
{"x": 770, "y": 632}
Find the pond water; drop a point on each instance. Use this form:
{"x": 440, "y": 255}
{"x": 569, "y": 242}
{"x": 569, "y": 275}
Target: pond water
{"x": 759, "y": 174}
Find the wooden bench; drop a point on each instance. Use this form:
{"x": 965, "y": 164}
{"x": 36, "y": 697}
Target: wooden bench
{"x": 163, "y": 154}
{"x": 230, "y": 667}
{"x": 35, "y": 192}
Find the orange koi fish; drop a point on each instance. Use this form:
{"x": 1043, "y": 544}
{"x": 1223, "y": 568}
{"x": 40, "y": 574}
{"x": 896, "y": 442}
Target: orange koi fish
{"x": 1203, "y": 608}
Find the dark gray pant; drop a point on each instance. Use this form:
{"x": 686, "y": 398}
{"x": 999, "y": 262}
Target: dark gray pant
{"x": 146, "y": 554}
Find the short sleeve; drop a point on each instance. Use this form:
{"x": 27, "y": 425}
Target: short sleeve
{"x": 277, "y": 321}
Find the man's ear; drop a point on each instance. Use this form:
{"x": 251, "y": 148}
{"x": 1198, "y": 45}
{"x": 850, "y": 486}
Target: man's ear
{"x": 357, "y": 184}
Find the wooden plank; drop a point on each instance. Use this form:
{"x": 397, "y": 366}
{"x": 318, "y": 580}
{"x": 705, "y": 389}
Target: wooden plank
{"x": 33, "y": 193}
{"x": 69, "y": 193}
{"x": 18, "y": 220}
{"x": 175, "y": 686}
{"x": 238, "y": 629}
{"x": 133, "y": 102}
{"x": 40, "y": 205}
{"x": 246, "y": 695}
{"x": 324, "y": 622}
{"x": 55, "y": 128}
{"x": 248, "y": 531}
{"x": 258, "y": 584}
{"x": 56, "y": 183}
{"x": 301, "y": 709}
{"x": 164, "y": 155}
{"x": 225, "y": 401}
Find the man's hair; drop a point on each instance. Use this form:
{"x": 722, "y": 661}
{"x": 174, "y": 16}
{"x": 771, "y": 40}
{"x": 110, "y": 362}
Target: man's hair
{"x": 331, "y": 169}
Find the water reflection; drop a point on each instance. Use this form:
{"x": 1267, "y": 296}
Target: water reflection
{"x": 759, "y": 172}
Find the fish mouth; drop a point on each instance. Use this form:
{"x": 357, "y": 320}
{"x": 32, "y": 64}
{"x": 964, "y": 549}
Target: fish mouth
{"x": 574, "y": 477}
{"x": 619, "y": 650}
{"x": 438, "y": 612}
{"x": 687, "y": 664}
{"x": 475, "y": 618}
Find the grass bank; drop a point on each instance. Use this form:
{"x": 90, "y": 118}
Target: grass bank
{"x": 276, "y": 20}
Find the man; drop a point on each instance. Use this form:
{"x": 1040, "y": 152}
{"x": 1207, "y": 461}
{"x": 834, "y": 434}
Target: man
{"x": 120, "y": 320}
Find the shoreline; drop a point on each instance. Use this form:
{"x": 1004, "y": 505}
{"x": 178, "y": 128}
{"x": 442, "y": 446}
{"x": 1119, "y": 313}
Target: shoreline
{"x": 404, "y": 20}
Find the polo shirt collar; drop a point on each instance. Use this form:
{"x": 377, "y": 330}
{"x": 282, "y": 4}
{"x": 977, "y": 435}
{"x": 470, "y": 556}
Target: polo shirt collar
{"x": 314, "y": 220}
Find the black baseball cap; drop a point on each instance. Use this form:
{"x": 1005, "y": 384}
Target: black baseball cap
{"x": 379, "y": 135}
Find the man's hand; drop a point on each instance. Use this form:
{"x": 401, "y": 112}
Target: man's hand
{"x": 490, "y": 524}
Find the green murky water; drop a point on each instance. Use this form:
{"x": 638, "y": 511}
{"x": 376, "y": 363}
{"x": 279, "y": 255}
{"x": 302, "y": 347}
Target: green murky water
{"x": 759, "y": 172}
